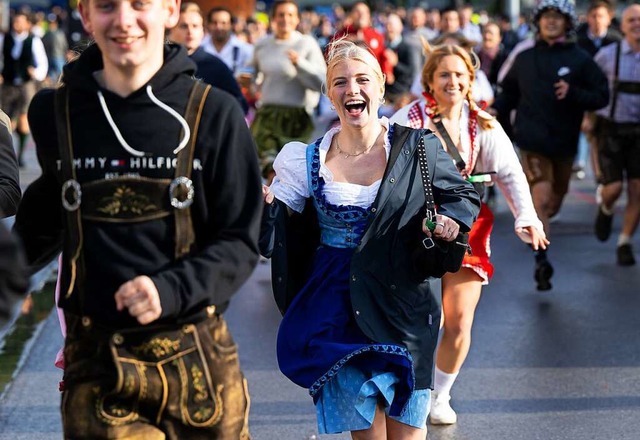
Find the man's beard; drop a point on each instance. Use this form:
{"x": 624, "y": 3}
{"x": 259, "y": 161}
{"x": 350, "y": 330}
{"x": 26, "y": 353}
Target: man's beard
{"x": 221, "y": 38}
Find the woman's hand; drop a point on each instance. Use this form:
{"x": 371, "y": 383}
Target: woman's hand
{"x": 537, "y": 239}
{"x": 446, "y": 229}
{"x": 267, "y": 194}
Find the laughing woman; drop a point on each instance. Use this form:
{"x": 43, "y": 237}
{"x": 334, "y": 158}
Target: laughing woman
{"x": 360, "y": 319}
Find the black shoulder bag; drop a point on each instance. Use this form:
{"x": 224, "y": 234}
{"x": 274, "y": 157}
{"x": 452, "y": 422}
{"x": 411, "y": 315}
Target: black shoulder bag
{"x": 435, "y": 257}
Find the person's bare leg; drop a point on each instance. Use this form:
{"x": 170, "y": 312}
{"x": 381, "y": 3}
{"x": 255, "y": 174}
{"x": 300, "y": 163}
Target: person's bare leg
{"x": 611, "y": 192}
{"x": 624, "y": 251}
{"x": 632, "y": 210}
{"x": 400, "y": 431}
{"x": 460, "y": 297}
{"x": 546, "y": 205}
{"x": 378, "y": 430}
{"x": 541, "y": 193}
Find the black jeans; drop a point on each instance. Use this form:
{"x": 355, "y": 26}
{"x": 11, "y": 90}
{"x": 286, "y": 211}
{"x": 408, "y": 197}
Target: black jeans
{"x": 153, "y": 383}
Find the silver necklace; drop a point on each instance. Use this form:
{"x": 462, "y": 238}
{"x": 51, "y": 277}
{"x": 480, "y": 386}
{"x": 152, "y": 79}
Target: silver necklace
{"x": 348, "y": 155}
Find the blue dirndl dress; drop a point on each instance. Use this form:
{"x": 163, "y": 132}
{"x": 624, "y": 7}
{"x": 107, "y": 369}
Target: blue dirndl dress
{"x": 321, "y": 347}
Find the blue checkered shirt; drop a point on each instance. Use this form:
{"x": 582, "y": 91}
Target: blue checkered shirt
{"x": 628, "y": 105}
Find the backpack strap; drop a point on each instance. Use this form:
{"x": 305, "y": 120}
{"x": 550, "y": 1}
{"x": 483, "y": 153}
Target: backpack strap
{"x": 181, "y": 189}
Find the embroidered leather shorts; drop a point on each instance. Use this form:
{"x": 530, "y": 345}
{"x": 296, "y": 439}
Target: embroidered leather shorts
{"x": 153, "y": 383}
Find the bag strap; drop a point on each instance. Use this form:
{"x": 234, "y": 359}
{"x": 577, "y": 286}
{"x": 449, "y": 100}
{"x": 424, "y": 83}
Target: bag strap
{"x": 181, "y": 188}
{"x": 71, "y": 192}
{"x": 429, "y": 202}
{"x": 451, "y": 148}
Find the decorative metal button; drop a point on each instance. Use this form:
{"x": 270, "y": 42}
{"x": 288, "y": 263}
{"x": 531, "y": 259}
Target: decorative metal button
{"x": 76, "y": 195}
{"x": 392, "y": 180}
{"x": 181, "y": 192}
{"x": 117, "y": 339}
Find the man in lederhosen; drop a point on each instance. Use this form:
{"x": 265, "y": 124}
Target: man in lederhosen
{"x": 151, "y": 188}
{"x": 618, "y": 133}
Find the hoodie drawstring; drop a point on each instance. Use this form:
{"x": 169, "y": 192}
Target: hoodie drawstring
{"x": 185, "y": 127}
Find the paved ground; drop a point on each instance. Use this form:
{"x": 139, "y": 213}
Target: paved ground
{"x": 560, "y": 365}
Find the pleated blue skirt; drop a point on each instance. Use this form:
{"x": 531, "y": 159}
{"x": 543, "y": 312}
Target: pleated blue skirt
{"x": 321, "y": 347}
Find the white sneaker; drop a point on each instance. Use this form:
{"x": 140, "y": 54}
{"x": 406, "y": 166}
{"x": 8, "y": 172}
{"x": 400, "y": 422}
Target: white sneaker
{"x": 599, "y": 194}
{"x": 441, "y": 412}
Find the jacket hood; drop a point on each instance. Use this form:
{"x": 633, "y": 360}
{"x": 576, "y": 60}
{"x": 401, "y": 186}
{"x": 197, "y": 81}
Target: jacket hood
{"x": 80, "y": 72}
{"x": 565, "y": 7}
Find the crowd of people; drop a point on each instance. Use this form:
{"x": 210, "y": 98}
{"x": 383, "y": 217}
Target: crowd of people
{"x": 142, "y": 163}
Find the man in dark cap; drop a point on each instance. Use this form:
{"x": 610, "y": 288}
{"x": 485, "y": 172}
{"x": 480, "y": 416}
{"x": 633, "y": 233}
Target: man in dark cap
{"x": 551, "y": 84}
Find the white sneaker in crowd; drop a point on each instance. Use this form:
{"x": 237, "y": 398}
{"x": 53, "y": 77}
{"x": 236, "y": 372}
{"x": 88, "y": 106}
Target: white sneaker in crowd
{"x": 441, "y": 412}
{"x": 599, "y": 194}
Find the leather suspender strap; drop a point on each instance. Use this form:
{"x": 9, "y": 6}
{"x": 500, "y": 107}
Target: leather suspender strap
{"x": 71, "y": 192}
{"x": 181, "y": 189}
{"x": 451, "y": 148}
{"x": 614, "y": 99}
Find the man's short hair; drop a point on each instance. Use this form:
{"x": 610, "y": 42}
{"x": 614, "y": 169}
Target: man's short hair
{"x": 595, "y": 4}
{"x": 449, "y": 9}
{"x": 24, "y": 14}
{"x": 190, "y": 7}
{"x": 493, "y": 23}
{"x": 279, "y": 3}
{"x": 219, "y": 9}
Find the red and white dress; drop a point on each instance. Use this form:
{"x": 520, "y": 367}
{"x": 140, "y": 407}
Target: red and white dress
{"x": 491, "y": 150}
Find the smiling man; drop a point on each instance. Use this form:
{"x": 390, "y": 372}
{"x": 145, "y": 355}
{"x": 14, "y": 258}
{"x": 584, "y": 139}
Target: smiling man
{"x": 142, "y": 167}
{"x": 551, "y": 85}
{"x": 292, "y": 68}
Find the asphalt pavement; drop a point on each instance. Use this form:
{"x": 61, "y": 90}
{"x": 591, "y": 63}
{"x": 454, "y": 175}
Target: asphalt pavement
{"x": 556, "y": 365}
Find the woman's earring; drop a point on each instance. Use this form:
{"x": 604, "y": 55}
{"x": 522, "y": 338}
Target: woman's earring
{"x": 382, "y": 100}
{"x": 332, "y": 107}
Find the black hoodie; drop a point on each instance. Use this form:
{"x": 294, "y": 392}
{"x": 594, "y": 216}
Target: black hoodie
{"x": 225, "y": 212}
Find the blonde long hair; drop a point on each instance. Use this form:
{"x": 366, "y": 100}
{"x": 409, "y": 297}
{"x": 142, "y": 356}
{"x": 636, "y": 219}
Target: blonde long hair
{"x": 435, "y": 54}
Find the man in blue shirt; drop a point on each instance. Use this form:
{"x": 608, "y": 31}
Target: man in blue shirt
{"x": 618, "y": 132}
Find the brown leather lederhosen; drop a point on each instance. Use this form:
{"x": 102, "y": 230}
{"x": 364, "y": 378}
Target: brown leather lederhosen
{"x": 181, "y": 381}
